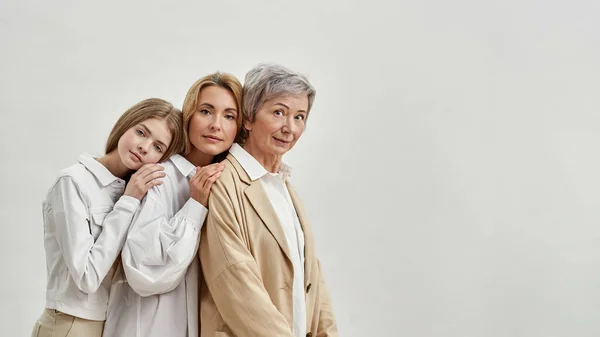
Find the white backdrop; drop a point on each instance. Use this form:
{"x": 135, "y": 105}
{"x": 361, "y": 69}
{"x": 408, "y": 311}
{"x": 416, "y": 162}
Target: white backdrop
{"x": 450, "y": 166}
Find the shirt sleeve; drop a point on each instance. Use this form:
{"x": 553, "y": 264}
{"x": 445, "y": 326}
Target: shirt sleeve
{"x": 158, "y": 249}
{"x": 88, "y": 262}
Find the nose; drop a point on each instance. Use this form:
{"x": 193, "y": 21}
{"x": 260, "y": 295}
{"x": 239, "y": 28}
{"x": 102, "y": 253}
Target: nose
{"x": 143, "y": 147}
{"x": 215, "y": 124}
{"x": 288, "y": 125}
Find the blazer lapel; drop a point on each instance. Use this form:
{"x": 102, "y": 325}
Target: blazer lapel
{"x": 259, "y": 200}
{"x": 308, "y": 239}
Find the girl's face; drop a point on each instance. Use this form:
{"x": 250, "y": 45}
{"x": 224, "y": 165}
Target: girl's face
{"x": 212, "y": 127}
{"x": 144, "y": 143}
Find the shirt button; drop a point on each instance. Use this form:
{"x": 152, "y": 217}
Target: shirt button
{"x": 308, "y": 287}
{"x": 309, "y": 334}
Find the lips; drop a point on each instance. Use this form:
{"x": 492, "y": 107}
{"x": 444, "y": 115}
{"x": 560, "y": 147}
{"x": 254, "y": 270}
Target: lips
{"x": 136, "y": 156}
{"x": 282, "y": 141}
{"x": 213, "y": 138}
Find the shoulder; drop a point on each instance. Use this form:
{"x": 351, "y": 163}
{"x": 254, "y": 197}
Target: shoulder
{"x": 226, "y": 190}
{"x": 170, "y": 167}
{"x": 230, "y": 177}
{"x": 173, "y": 184}
{"x": 74, "y": 180}
{"x": 77, "y": 172}
{"x": 76, "y": 175}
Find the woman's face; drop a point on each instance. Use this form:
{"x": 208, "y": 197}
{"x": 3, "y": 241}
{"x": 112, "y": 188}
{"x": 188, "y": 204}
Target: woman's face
{"x": 144, "y": 143}
{"x": 278, "y": 124}
{"x": 212, "y": 127}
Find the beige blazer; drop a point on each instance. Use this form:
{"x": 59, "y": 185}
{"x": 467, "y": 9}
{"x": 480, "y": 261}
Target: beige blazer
{"x": 246, "y": 289}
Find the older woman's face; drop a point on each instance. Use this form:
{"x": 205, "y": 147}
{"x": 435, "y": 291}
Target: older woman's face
{"x": 278, "y": 124}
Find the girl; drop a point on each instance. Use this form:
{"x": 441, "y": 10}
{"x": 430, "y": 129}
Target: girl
{"x": 87, "y": 214}
{"x": 159, "y": 296}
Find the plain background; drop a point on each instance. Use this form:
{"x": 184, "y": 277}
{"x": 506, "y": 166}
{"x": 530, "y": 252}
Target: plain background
{"x": 449, "y": 169}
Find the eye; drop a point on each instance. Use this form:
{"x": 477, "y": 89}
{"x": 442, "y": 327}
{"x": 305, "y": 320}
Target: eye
{"x": 140, "y": 132}
{"x": 230, "y": 117}
{"x": 158, "y": 148}
{"x": 204, "y": 112}
{"x": 278, "y": 113}
{"x": 300, "y": 117}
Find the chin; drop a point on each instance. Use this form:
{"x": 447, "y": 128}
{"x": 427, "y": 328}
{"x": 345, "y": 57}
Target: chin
{"x": 211, "y": 149}
{"x": 127, "y": 162}
{"x": 132, "y": 166}
{"x": 219, "y": 150}
{"x": 280, "y": 150}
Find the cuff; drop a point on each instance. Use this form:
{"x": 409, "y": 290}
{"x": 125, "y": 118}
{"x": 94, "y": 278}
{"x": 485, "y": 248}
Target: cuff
{"x": 128, "y": 203}
{"x": 195, "y": 212}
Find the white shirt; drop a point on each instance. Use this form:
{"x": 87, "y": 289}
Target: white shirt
{"x": 84, "y": 230}
{"x": 279, "y": 196}
{"x": 158, "y": 297}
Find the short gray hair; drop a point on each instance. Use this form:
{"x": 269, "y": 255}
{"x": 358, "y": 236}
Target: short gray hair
{"x": 267, "y": 81}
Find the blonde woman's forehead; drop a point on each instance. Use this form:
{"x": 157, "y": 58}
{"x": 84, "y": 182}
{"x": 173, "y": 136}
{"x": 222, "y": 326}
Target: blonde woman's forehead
{"x": 217, "y": 98}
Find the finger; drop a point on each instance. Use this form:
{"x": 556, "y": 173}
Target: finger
{"x": 213, "y": 167}
{"x": 143, "y": 169}
{"x": 141, "y": 172}
{"x": 196, "y": 177}
{"x": 209, "y": 171}
{"x": 150, "y": 170}
{"x": 211, "y": 180}
{"x": 209, "y": 184}
{"x": 207, "y": 175}
{"x": 203, "y": 175}
{"x": 153, "y": 183}
{"x": 210, "y": 166}
{"x": 154, "y": 175}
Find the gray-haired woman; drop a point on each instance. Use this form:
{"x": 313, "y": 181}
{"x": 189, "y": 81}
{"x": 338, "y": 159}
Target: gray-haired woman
{"x": 261, "y": 274}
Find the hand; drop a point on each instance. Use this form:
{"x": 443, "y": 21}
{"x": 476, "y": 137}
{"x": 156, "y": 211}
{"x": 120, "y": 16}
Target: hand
{"x": 203, "y": 180}
{"x": 144, "y": 179}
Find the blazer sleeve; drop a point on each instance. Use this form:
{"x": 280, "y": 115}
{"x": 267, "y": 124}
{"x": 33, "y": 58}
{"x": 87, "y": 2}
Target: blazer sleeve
{"x": 327, "y": 326}
{"x": 231, "y": 273}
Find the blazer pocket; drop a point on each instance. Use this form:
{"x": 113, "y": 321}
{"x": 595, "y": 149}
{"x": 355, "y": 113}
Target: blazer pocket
{"x": 224, "y": 334}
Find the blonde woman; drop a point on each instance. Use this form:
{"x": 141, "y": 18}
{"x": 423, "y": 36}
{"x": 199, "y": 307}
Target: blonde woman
{"x": 87, "y": 213}
{"x": 159, "y": 294}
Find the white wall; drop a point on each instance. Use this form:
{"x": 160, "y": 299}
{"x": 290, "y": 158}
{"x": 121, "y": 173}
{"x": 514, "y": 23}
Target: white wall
{"x": 450, "y": 166}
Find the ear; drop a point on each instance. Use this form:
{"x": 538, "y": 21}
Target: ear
{"x": 247, "y": 125}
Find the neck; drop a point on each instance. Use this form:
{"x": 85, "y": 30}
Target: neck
{"x": 112, "y": 161}
{"x": 269, "y": 161}
{"x": 198, "y": 158}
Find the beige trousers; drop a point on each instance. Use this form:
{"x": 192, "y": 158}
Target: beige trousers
{"x": 54, "y": 323}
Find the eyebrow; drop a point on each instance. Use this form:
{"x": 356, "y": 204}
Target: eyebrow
{"x": 150, "y": 133}
{"x": 212, "y": 107}
{"x": 286, "y": 106}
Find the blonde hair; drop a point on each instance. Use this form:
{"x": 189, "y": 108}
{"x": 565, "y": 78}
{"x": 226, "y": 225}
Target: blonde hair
{"x": 190, "y": 104}
{"x": 147, "y": 109}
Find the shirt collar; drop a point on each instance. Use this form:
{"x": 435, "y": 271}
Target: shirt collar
{"x": 285, "y": 170}
{"x": 183, "y": 165}
{"x": 98, "y": 170}
{"x": 253, "y": 168}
